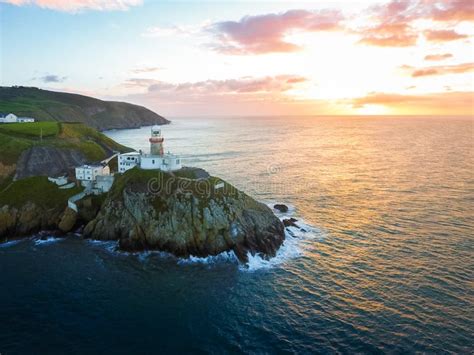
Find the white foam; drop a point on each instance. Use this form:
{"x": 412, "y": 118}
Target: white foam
{"x": 108, "y": 245}
{"x": 9, "y": 243}
{"x": 226, "y": 256}
{"x": 48, "y": 240}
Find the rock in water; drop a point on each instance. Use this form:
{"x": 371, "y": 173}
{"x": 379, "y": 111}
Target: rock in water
{"x": 157, "y": 210}
{"x": 281, "y": 207}
{"x": 290, "y": 222}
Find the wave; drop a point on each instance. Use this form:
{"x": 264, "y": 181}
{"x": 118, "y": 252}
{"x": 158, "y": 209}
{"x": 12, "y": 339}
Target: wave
{"x": 47, "y": 240}
{"x": 9, "y": 243}
{"x": 292, "y": 248}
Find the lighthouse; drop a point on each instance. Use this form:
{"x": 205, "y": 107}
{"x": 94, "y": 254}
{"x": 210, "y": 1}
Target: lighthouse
{"x": 156, "y": 141}
{"x": 156, "y": 160}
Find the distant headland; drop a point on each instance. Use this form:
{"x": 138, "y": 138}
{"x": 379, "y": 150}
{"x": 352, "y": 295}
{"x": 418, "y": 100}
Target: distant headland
{"x": 44, "y": 105}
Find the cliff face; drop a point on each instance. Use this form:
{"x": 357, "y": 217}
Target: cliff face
{"x": 27, "y": 219}
{"x": 185, "y": 221}
{"x": 47, "y": 105}
{"x": 47, "y": 161}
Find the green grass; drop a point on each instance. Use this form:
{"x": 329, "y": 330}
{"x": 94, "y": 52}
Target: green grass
{"x": 159, "y": 184}
{"x": 31, "y": 130}
{"x": 38, "y": 190}
{"x": 17, "y": 137}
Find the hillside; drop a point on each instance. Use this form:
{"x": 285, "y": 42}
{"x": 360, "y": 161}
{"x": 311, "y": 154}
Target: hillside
{"x": 47, "y": 105}
{"x": 50, "y": 148}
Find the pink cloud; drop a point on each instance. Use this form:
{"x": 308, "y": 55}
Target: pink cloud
{"x": 78, "y": 5}
{"x": 266, "y": 33}
{"x": 451, "y": 10}
{"x": 394, "y": 22}
{"x": 268, "y": 84}
{"x": 443, "y": 35}
{"x": 268, "y": 95}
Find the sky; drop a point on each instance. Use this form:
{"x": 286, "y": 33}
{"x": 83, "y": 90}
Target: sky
{"x": 236, "y": 58}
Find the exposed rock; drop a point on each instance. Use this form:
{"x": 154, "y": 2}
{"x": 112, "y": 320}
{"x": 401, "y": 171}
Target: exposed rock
{"x": 184, "y": 222}
{"x": 47, "y": 161}
{"x": 68, "y": 220}
{"x": 290, "y": 222}
{"x": 281, "y": 207}
{"x": 26, "y": 220}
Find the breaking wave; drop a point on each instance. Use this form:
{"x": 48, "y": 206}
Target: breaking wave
{"x": 292, "y": 248}
{"x": 47, "y": 240}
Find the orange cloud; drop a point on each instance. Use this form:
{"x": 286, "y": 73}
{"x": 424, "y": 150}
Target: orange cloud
{"x": 390, "y": 35}
{"x": 265, "y": 33}
{"x": 435, "y": 57}
{"x": 450, "y": 103}
{"x": 443, "y": 35}
{"x": 78, "y": 5}
{"x": 442, "y": 70}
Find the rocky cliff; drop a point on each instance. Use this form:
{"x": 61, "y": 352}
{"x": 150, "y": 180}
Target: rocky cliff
{"x": 156, "y": 210}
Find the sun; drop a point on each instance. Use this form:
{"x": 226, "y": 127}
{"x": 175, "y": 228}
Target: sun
{"x": 372, "y": 110}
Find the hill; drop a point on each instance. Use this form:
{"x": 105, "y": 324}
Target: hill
{"x": 45, "y": 105}
{"x": 50, "y": 148}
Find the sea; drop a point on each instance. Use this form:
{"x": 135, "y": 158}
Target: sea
{"x": 385, "y": 263}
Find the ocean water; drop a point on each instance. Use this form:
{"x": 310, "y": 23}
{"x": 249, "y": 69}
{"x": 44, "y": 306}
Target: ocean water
{"x": 386, "y": 264}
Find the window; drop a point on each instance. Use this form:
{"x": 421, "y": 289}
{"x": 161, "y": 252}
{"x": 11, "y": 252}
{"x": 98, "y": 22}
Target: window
{"x": 153, "y": 161}
{"x": 177, "y": 161}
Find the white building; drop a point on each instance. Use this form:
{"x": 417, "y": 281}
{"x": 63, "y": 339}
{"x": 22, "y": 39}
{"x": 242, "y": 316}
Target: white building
{"x": 25, "y": 120}
{"x": 12, "y": 118}
{"x": 128, "y": 161}
{"x": 90, "y": 172}
{"x": 157, "y": 159}
{"x": 8, "y": 118}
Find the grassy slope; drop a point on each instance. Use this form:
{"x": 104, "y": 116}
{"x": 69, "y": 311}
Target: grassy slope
{"x": 36, "y": 189}
{"x": 162, "y": 184}
{"x": 46, "y": 105}
{"x": 17, "y": 137}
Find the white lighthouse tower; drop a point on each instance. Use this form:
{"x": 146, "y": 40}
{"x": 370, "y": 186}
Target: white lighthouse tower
{"x": 156, "y": 141}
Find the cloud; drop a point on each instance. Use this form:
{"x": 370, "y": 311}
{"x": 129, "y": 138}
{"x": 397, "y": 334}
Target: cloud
{"x": 443, "y": 35}
{"x": 269, "y": 84}
{"x": 452, "y": 10}
{"x": 266, "y": 33}
{"x": 440, "y": 70}
{"x": 391, "y": 25}
{"x": 435, "y": 57}
{"x": 395, "y": 23}
{"x": 431, "y": 103}
{"x": 390, "y": 35}
{"x": 269, "y": 95}
{"x": 78, "y": 5}
{"x": 51, "y": 78}
{"x": 146, "y": 70}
